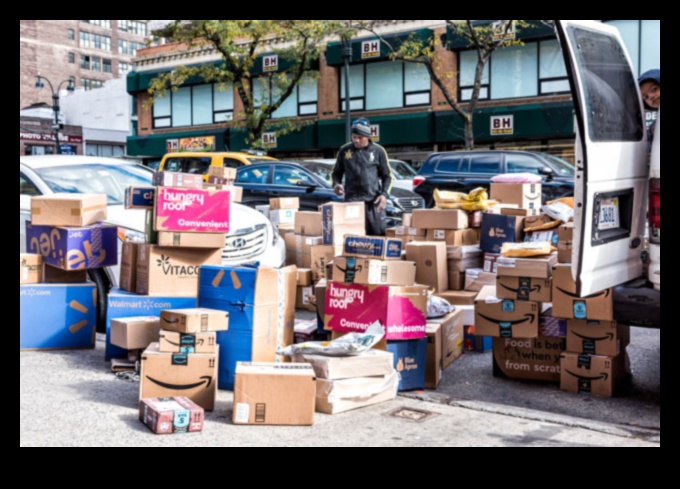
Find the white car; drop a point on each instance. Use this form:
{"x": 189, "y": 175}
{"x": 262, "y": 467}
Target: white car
{"x": 252, "y": 237}
{"x": 403, "y": 172}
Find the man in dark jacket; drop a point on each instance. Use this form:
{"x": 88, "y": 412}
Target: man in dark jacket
{"x": 368, "y": 176}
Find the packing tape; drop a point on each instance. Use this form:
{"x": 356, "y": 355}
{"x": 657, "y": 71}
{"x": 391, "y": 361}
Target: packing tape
{"x": 79, "y": 210}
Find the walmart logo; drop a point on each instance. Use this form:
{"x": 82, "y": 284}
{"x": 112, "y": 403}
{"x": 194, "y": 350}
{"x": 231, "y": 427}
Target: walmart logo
{"x": 83, "y": 310}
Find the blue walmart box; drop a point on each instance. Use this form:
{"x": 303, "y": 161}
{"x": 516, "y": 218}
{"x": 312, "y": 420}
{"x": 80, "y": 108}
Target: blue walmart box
{"x": 409, "y": 361}
{"x": 74, "y": 248}
{"x": 122, "y": 304}
{"x": 57, "y": 316}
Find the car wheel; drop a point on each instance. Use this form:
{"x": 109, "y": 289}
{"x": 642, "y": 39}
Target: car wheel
{"x": 98, "y": 276}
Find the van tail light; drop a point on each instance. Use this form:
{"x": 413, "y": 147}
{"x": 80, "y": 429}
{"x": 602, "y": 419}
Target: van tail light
{"x": 654, "y": 211}
{"x": 417, "y": 181}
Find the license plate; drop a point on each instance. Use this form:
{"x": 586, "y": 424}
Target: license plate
{"x": 609, "y": 214}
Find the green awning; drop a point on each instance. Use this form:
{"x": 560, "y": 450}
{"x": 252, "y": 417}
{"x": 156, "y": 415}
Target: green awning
{"x": 334, "y": 49}
{"x": 534, "y": 30}
{"x": 303, "y": 139}
{"x": 156, "y": 144}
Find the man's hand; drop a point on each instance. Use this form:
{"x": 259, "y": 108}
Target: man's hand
{"x": 381, "y": 202}
{"x": 339, "y": 190}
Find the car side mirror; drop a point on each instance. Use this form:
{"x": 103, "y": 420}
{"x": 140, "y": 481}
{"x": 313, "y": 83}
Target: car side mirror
{"x": 306, "y": 183}
{"x": 549, "y": 173}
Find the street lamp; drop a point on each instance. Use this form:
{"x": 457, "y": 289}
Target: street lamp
{"x": 347, "y": 55}
{"x": 55, "y": 103}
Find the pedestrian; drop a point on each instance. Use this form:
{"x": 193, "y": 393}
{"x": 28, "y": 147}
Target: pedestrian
{"x": 650, "y": 89}
{"x": 367, "y": 173}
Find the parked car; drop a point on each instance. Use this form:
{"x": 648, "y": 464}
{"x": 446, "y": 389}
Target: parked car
{"x": 199, "y": 161}
{"x": 261, "y": 181}
{"x": 463, "y": 171}
{"x": 252, "y": 236}
{"x": 403, "y": 172}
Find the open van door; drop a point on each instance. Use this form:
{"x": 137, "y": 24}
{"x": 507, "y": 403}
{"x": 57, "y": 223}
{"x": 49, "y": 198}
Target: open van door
{"x": 610, "y": 191}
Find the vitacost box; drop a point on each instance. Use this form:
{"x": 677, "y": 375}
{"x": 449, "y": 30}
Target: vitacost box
{"x": 188, "y": 209}
{"x": 177, "y": 414}
{"x": 505, "y": 318}
{"x": 67, "y": 209}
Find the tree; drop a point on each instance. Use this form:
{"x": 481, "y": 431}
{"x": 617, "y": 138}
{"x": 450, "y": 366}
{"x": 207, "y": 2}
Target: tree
{"x": 240, "y": 43}
{"x": 483, "y": 36}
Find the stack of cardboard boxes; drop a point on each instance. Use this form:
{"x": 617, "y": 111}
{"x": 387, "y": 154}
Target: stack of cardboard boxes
{"x": 281, "y": 212}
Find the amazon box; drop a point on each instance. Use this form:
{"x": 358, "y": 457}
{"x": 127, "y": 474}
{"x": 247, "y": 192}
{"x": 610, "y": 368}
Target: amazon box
{"x": 192, "y": 375}
{"x": 74, "y": 248}
{"x": 235, "y": 192}
{"x": 505, "y": 318}
{"x": 299, "y": 249}
{"x": 490, "y": 263}
{"x": 192, "y": 209}
{"x": 128, "y": 266}
{"x": 440, "y": 219}
{"x": 57, "y": 316}
{"x": 528, "y": 358}
{"x": 592, "y": 337}
{"x": 194, "y": 320}
{"x": 498, "y": 229}
{"x": 524, "y": 288}
{"x": 177, "y": 414}
{"x": 431, "y": 263}
{"x": 456, "y": 280}
{"x": 525, "y": 195}
{"x": 54, "y": 275}
{"x": 135, "y": 333}
{"x": 176, "y": 342}
{"x": 410, "y": 358}
{"x": 458, "y": 297}
{"x": 369, "y": 363}
{"x": 353, "y": 270}
{"x": 177, "y": 179}
{"x": 66, "y": 209}
{"x": 303, "y": 298}
{"x": 339, "y": 219}
{"x": 277, "y": 203}
{"x": 30, "y": 268}
{"x": 476, "y": 278}
{"x": 191, "y": 240}
{"x": 372, "y": 247}
{"x": 338, "y": 396}
{"x": 433, "y": 356}
{"x": 455, "y": 237}
{"x": 303, "y": 277}
{"x": 452, "y": 336}
{"x": 166, "y": 271}
{"x": 565, "y": 242}
{"x": 321, "y": 256}
{"x": 566, "y": 304}
{"x": 274, "y": 394}
{"x": 597, "y": 375}
{"x": 308, "y": 223}
{"x": 538, "y": 267}
{"x": 139, "y": 197}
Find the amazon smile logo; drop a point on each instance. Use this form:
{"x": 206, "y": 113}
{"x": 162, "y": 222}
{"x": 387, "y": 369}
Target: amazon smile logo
{"x": 586, "y": 378}
{"x": 523, "y": 289}
{"x": 606, "y": 337}
{"x": 505, "y": 327}
{"x": 604, "y": 293}
{"x": 205, "y": 379}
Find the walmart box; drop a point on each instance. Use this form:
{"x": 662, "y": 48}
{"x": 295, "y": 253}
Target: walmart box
{"x": 57, "y": 316}
{"x": 122, "y": 304}
{"x": 409, "y": 361}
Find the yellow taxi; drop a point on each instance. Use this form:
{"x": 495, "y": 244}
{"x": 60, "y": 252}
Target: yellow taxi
{"x": 198, "y": 162}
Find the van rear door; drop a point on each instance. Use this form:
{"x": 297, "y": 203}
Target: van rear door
{"x": 610, "y": 191}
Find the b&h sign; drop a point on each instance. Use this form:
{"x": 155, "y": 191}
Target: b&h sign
{"x": 501, "y": 124}
{"x": 370, "y": 49}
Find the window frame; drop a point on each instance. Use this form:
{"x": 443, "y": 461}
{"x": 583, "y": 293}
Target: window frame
{"x": 167, "y": 120}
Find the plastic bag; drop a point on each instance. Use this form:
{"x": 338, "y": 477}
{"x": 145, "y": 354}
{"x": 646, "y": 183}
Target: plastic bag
{"x": 476, "y": 200}
{"x": 347, "y": 345}
{"x": 438, "y": 307}
{"x": 517, "y": 178}
{"x": 559, "y": 210}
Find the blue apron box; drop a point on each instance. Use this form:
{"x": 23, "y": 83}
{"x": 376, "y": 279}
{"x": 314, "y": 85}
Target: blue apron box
{"x": 122, "y": 304}
{"x": 56, "y": 316}
{"x": 409, "y": 361}
{"x": 140, "y": 197}
{"x": 498, "y": 229}
{"x": 372, "y": 247}
{"x": 74, "y": 248}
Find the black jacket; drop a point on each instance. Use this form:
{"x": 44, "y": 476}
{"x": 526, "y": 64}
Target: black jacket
{"x": 366, "y": 170}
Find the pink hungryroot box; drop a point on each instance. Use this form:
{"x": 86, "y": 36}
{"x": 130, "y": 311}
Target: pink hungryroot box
{"x": 401, "y": 310}
{"x": 191, "y": 209}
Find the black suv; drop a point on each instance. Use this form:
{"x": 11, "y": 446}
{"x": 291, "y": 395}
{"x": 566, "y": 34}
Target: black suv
{"x": 463, "y": 171}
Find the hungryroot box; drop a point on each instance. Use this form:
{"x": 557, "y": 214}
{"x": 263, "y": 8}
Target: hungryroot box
{"x": 167, "y": 271}
{"x": 73, "y": 248}
{"x": 338, "y": 396}
{"x": 505, "y": 318}
{"x": 372, "y": 247}
{"x": 57, "y": 316}
{"x": 439, "y": 219}
{"x": 354, "y": 307}
{"x": 498, "y": 229}
{"x": 65, "y": 209}
{"x": 565, "y": 242}
{"x": 284, "y": 203}
{"x": 194, "y": 320}
{"x": 193, "y": 375}
{"x": 139, "y": 197}
{"x": 261, "y": 306}
{"x": 177, "y": 179}
{"x": 369, "y": 363}
{"x": 188, "y": 209}
{"x": 176, "y": 342}
{"x": 274, "y": 394}
{"x": 191, "y": 240}
{"x": 431, "y": 264}
{"x": 528, "y": 358}
{"x": 352, "y": 270}
{"x": 299, "y": 249}
{"x": 592, "y": 374}
{"x": 607, "y": 338}
{"x": 177, "y": 414}
{"x": 308, "y": 223}
{"x": 524, "y": 288}
{"x": 538, "y": 266}
{"x": 566, "y": 304}
{"x": 339, "y": 219}
{"x": 525, "y": 195}
{"x": 134, "y": 333}
{"x": 30, "y": 268}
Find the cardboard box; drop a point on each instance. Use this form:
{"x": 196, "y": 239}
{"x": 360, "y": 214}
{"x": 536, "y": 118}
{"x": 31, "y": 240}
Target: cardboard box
{"x": 284, "y": 203}
{"x": 54, "y": 275}
{"x": 339, "y": 219}
{"x": 274, "y": 394}
{"x": 57, "y": 316}
{"x": 458, "y": 297}
{"x": 476, "y": 278}
{"x": 263, "y": 209}
{"x": 284, "y": 229}
{"x": 128, "y": 266}
{"x": 282, "y": 216}
{"x": 473, "y": 342}
{"x": 464, "y": 253}
{"x": 176, "y": 342}
{"x": 514, "y": 211}
{"x": 302, "y": 298}
{"x": 456, "y": 280}
{"x": 177, "y": 179}
{"x": 455, "y": 237}
{"x": 566, "y": 304}
{"x": 525, "y": 195}
{"x": 299, "y": 249}
{"x": 565, "y": 242}
{"x": 409, "y": 360}
{"x": 490, "y": 263}
{"x": 308, "y": 223}
{"x": 192, "y": 375}
{"x": 378, "y": 247}
{"x": 593, "y": 374}
{"x": 433, "y": 356}
{"x": 592, "y": 337}
{"x": 150, "y": 233}
{"x": 406, "y": 219}
{"x": 549, "y": 235}
{"x": 304, "y": 276}
{"x": 409, "y": 231}
{"x": 452, "y": 335}
{"x": 224, "y": 172}
{"x": 440, "y": 219}
{"x": 539, "y": 267}
{"x": 66, "y": 209}
{"x": 191, "y": 240}
{"x": 122, "y": 304}
{"x": 194, "y": 320}
{"x": 353, "y": 270}
{"x": 168, "y": 271}
{"x": 135, "y": 333}
{"x": 475, "y": 218}
{"x": 321, "y": 255}
{"x": 189, "y": 209}
{"x": 431, "y": 263}
{"x": 338, "y": 396}
{"x": 139, "y": 197}
{"x": 235, "y": 192}
{"x": 177, "y": 414}
{"x": 30, "y": 268}
{"x": 498, "y": 229}
{"x": 505, "y": 318}
{"x": 72, "y": 248}
{"x": 468, "y": 311}
{"x": 261, "y": 306}
{"x": 528, "y": 358}
{"x": 353, "y": 307}
{"x": 524, "y": 288}
{"x": 368, "y": 364}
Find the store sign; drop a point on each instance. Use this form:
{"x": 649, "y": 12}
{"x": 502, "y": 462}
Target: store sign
{"x": 67, "y": 149}
{"x": 35, "y": 136}
{"x": 370, "y": 49}
{"x": 500, "y": 33}
{"x": 269, "y": 140}
{"x": 501, "y": 125}
{"x": 198, "y": 143}
{"x": 270, "y": 62}
{"x": 375, "y": 132}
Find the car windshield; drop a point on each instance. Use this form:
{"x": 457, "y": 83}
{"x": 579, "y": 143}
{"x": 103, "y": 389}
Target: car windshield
{"x": 401, "y": 170}
{"x": 561, "y": 166}
{"x": 95, "y": 178}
